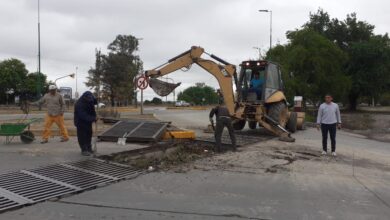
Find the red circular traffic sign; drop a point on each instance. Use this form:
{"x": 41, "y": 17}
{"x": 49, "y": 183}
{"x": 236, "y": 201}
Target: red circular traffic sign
{"x": 142, "y": 82}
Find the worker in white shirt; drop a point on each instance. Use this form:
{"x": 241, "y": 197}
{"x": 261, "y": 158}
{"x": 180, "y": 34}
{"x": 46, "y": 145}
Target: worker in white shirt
{"x": 328, "y": 119}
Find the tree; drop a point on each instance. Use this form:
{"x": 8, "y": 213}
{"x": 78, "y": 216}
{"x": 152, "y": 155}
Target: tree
{"x": 95, "y": 74}
{"x": 12, "y": 75}
{"x": 368, "y": 54}
{"x": 196, "y": 95}
{"x": 117, "y": 69}
{"x": 369, "y": 68}
{"x": 156, "y": 101}
{"x": 31, "y": 82}
{"x": 312, "y": 66}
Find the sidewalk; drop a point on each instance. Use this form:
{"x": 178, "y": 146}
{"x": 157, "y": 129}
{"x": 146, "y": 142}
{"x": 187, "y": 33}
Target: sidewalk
{"x": 17, "y": 156}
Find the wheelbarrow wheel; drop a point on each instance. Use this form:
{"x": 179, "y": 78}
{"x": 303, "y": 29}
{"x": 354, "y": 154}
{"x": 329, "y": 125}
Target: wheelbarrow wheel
{"x": 27, "y": 137}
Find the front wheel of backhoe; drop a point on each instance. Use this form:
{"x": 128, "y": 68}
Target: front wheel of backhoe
{"x": 252, "y": 124}
{"x": 279, "y": 113}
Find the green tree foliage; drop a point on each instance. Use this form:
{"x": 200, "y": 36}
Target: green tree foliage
{"x": 95, "y": 74}
{"x": 156, "y": 101}
{"x": 32, "y": 81}
{"x": 12, "y": 75}
{"x": 196, "y": 95}
{"x": 366, "y": 62}
{"x": 312, "y": 66}
{"x": 117, "y": 69}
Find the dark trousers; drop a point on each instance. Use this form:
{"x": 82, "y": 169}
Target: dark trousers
{"x": 331, "y": 129}
{"x": 221, "y": 123}
{"x": 84, "y": 137}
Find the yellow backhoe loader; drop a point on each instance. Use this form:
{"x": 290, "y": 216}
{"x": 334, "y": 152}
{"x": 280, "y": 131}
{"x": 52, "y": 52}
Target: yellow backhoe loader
{"x": 258, "y": 99}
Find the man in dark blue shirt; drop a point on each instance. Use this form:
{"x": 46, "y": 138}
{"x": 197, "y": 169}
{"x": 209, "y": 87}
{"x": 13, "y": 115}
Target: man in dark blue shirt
{"x": 84, "y": 116}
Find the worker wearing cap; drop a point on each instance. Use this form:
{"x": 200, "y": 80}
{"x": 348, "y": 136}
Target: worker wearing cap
{"x": 55, "y": 113}
{"x": 223, "y": 120}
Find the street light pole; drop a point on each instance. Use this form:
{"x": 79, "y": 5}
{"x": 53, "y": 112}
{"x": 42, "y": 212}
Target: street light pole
{"x": 270, "y": 26}
{"x": 259, "y": 50}
{"x": 76, "y": 94}
{"x": 166, "y": 97}
{"x": 69, "y": 75}
{"x": 39, "y": 52}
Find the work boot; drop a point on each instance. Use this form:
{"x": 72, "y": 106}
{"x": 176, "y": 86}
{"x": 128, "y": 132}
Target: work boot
{"x": 44, "y": 141}
{"x": 86, "y": 153}
{"x": 64, "y": 139}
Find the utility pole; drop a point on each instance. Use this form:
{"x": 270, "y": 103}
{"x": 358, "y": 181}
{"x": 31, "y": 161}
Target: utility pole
{"x": 259, "y": 50}
{"x": 76, "y": 94}
{"x": 39, "y": 53}
{"x": 270, "y": 26}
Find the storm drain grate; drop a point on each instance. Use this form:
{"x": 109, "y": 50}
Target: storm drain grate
{"x": 7, "y": 203}
{"x": 109, "y": 169}
{"x": 74, "y": 177}
{"x": 135, "y": 131}
{"x": 52, "y": 181}
{"x": 31, "y": 187}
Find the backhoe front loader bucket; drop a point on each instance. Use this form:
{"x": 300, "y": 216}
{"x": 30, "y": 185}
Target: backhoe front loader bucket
{"x": 162, "y": 88}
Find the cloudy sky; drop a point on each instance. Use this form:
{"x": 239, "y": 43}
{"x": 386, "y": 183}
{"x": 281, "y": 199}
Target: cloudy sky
{"x": 72, "y": 29}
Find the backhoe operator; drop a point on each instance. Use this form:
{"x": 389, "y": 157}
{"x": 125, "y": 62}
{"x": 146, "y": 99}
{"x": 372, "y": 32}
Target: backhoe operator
{"x": 223, "y": 120}
{"x": 256, "y": 84}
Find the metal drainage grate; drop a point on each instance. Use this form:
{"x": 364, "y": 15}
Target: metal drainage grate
{"x": 113, "y": 170}
{"x": 135, "y": 131}
{"x": 7, "y": 203}
{"x": 31, "y": 187}
{"x": 82, "y": 180}
{"x": 35, "y": 185}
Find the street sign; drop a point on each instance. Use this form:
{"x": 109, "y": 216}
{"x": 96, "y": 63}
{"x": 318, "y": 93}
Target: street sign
{"x": 142, "y": 82}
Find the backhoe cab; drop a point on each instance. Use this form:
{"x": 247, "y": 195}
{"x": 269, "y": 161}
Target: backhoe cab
{"x": 259, "y": 97}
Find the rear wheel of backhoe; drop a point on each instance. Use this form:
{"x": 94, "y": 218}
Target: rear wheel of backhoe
{"x": 238, "y": 124}
{"x": 292, "y": 122}
{"x": 278, "y": 112}
{"x": 252, "y": 124}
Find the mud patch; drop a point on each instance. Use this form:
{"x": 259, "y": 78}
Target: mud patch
{"x": 164, "y": 156}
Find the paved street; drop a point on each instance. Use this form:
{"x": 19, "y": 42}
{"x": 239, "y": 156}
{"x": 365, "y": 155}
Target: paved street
{"x": 259, "y": 182}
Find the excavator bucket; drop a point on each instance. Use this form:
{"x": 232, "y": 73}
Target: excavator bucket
{"x": 162, "y": 88}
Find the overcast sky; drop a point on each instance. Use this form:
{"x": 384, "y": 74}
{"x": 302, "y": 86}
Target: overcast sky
{"x": 72, "y": 29}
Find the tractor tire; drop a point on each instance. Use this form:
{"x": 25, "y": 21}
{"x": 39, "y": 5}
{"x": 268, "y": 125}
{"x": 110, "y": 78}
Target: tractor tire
{"x": 278, "y": 112}
{"x": 27, "y": 137}
{"x": 252, "y": 124}
{"x": 238, "y": 125}
{"x": 292, "y": 122}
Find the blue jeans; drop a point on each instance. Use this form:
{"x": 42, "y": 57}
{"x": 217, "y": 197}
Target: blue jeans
{"x": 331, "y": 129}
{"x": 257, "y": 91}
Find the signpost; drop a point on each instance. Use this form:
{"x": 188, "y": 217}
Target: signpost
{"x": 142, "y": 83}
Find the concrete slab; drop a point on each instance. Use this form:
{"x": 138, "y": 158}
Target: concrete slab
{"x": 16, "y": 156}
{"x": 215, "y": 193}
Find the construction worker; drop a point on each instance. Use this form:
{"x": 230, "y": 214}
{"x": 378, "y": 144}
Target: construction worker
{"x": 223, "y": 120}
{"x": 55, "y": 113}
{"x": 84, "y": 116}
{"x": 328, "y": 119}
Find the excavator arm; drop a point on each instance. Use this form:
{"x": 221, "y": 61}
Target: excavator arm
{"x": 223, "y": 72}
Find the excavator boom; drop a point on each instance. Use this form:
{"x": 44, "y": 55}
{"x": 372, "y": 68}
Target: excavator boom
{"x": 223, "y": 72}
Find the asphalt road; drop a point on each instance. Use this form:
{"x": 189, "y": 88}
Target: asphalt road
{"x": 259, "y": 182}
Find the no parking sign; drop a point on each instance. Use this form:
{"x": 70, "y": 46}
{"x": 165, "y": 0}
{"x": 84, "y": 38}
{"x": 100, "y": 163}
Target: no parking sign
{"x": 142, "y": 82}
